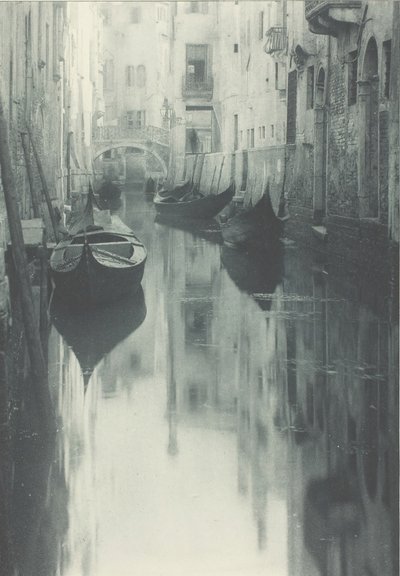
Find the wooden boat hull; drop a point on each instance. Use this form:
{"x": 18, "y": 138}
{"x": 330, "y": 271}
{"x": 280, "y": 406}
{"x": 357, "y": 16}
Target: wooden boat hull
{"x": 201, "y": 208}
{"x": 93, "y": 280}
{"x": 256, "y": 228}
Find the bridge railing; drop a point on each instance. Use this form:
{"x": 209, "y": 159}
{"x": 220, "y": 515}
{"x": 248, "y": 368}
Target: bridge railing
{"x": 152, "y": 133}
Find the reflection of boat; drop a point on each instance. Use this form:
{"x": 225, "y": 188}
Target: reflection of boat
{"x": 255, "y": 272}
{"x": 208, "y": 229}
{"x": 194, "y": 206}
{"x": 256, "y": 227}
{"x": 94, "y": 333}
{"x": 112, "y": 204}
{"x": 100, "y": 261}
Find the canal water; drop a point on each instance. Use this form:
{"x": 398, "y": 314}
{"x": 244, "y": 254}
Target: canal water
{"x": 239, "y": 418}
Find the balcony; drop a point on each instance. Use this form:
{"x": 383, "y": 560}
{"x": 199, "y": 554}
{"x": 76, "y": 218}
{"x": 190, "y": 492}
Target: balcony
{"x": 276, "y": 40}
{"x": 199, "y": 89}
{"x": 330, "y": 17}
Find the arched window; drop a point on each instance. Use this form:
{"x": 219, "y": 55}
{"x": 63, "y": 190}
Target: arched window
{"x": 141, "y": 76}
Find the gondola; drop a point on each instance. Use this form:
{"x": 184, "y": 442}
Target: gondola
{"x": 195, "y": 205}
{"x": 178, "y": 191}
{"x": 255, "y": 228}
{"x": 109, "y": 191}
{"x": 92, "y": 334}
{"x": 100, "y": 261}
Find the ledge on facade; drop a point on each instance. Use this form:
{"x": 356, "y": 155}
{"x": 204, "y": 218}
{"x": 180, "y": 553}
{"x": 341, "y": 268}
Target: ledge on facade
{"x": 330, "y": 16}
{"x": 276, "y": 40}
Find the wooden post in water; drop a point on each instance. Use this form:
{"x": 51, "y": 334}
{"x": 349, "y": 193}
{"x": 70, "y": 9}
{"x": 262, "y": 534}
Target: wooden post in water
{"x": 194, "y": 168}
{"x": 36, "y": 203}
{"x": 212, "y": 179}
{"x": 44, "y": 186}
{"x": 220, "y": 172}
{"x": 69, "y": 164}
{"x": 32, "y": 334}
{"x": 44, "y": 320}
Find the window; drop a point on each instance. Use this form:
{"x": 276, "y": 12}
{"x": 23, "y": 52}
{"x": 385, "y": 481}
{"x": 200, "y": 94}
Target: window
{"x": 310, "y": 87}
{"x": 161, "y": 13}
{"x": 352, "y": 73}
{"x": 263, "y": 132}
{"x": 276, "y": 76}
{"x": 272, "y": 131}
{"x": 47, "y": 50}
{"x": 235, "y": 131}
{"x": 236, "y": 48}
{"x": 109, "y": 113}
{"x": 136, "y": 119}
{"x": 260, "y": 25}
{"x": 141, "y": 76}
{"x": 387, "y": 60}
{"x": 106, "y": 17}
{"x": 130, "y": 76}
{"x": 196, "y": 62}
{"x": 136, "y": 15}
{"x": 252, "y": 138}
{"x": 197, "y": 7}
{"x": 248, "y": 138}
{"x": 108, "y": 75}
{"x": 291, "y": 108}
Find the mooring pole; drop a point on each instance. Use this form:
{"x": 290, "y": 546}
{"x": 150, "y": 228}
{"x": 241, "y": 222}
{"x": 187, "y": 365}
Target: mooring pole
{"x": 36, "y": 203}
{"x": 44, "y": 278}
{"x": 69, "y": 164}
{"x": 32, "y": 334}
{"x": 220, "y": 172}
{"x": 44, "y": 186}
{"x": 212, "y": 179}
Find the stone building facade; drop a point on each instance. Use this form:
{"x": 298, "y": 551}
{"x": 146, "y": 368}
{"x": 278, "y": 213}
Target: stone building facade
{"x": 50, "y": 82}
{"x": 310, "y": 108}
{"x": 136, "y": 65}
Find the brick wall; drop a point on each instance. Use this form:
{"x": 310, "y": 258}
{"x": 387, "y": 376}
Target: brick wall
{"x": 343, "y": 145}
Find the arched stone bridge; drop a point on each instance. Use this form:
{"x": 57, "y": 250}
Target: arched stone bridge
{"x": 150, "y": 138}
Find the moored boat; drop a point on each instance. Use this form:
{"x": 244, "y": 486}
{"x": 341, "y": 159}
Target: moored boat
{"x": 196, "y": 205}
{"x": 254, "y": 228}
{"x": 100, "y": 261}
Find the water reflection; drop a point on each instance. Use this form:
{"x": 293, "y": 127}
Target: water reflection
{"x": 92, "y": 334}
{"x": 222, "y": 435}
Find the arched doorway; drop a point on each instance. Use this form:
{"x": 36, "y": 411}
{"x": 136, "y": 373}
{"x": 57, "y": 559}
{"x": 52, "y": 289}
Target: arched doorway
{"x": 368, "y": 104}
{"x": 319, "y": 199}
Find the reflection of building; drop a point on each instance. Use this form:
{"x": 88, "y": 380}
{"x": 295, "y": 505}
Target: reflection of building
{"x": 341, "y": 419}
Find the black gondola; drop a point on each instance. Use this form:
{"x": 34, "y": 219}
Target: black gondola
{"x": 194, "y": 205}
{"x": 100, "y": 261}
{"x": 254, "y": 228}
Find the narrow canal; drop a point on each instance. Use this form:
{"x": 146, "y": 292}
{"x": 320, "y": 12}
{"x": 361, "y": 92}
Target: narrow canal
{"x": 240, "y": 418}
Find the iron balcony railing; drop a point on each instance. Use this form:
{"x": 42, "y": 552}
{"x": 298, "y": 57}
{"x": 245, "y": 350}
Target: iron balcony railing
{"x": 193, "y": 88}
{"x": 143, "y": 134}
{"x": 276, "y": 40}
